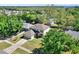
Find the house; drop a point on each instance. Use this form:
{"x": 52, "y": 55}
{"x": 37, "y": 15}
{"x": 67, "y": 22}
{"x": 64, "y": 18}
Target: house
{"x": 27, "y": 26}
{"x": 15, "y": 12}
{"x": 29, "y": 34}
{"x": 41, "y": 28}
{"x": 8, "y": 12}
{"x": 51, "y": 22}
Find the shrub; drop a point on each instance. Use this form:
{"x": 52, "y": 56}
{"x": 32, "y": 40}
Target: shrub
{"x": 75, "y": 49}
{"x": 76, "y": 25}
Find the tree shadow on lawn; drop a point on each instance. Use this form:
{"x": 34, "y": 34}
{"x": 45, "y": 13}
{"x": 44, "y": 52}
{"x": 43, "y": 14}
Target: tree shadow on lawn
{"x": 38, "y": 51}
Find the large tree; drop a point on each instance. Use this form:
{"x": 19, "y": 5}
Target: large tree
{"x": 9, "y": 25}
{"x": 29, "y": 17}
{"x": 57, "y": 41}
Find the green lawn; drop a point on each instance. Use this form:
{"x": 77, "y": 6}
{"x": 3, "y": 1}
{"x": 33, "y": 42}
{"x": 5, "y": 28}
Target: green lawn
{"x": 35, "y": 43}
{"x": 19, "y": 51}
{"x": 4, "y": 45}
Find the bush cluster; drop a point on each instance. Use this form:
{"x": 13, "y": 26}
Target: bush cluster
{"x": 9, "y": 25}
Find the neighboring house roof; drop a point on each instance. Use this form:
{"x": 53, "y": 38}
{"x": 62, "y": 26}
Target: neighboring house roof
{"x": 29, "y": 34}
{"x": 27, "y": 25}
{"x": 51, "y": 19}
{"x": 52, "y": 23}
{"x": 40, "y": 27}
{"x": 2, "y": 52}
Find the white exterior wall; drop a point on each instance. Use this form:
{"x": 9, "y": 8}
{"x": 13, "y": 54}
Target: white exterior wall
{"x": 44, "y": 33}
{"x": 32, "y": 37}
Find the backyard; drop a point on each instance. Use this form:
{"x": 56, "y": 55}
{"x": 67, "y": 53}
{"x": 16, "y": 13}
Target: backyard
{"x": 4, "y": 45}
{"x": 39, "y": 30}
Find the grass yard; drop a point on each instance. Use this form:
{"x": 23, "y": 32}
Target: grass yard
{"x": 4, "y": 45}
{"x": 69, "y": 52}
{"x": 35, "y": 43}
{"x": 19, "y": 51}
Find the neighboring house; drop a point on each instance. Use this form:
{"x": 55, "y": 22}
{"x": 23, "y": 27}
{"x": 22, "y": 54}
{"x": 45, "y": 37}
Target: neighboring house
{"x": 41, "y": 28}
{"x": 27, "y": 26}
{"x": 8, "y": 12}
{"x": 51, "y": 22}
{"x": 29, "y": 34}
{"x": 20, "y": 12}
{"x": 14, "y": 12}
{"x": 2, "y": 52}
{"x": 1, "y": 11}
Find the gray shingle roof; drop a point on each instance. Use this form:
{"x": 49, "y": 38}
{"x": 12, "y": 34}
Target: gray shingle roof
{"x": 27, "y": 25}
{"x": 40, "y": 27}
{"x": 29, "y": 34}
{"x": 2, "y": 52}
